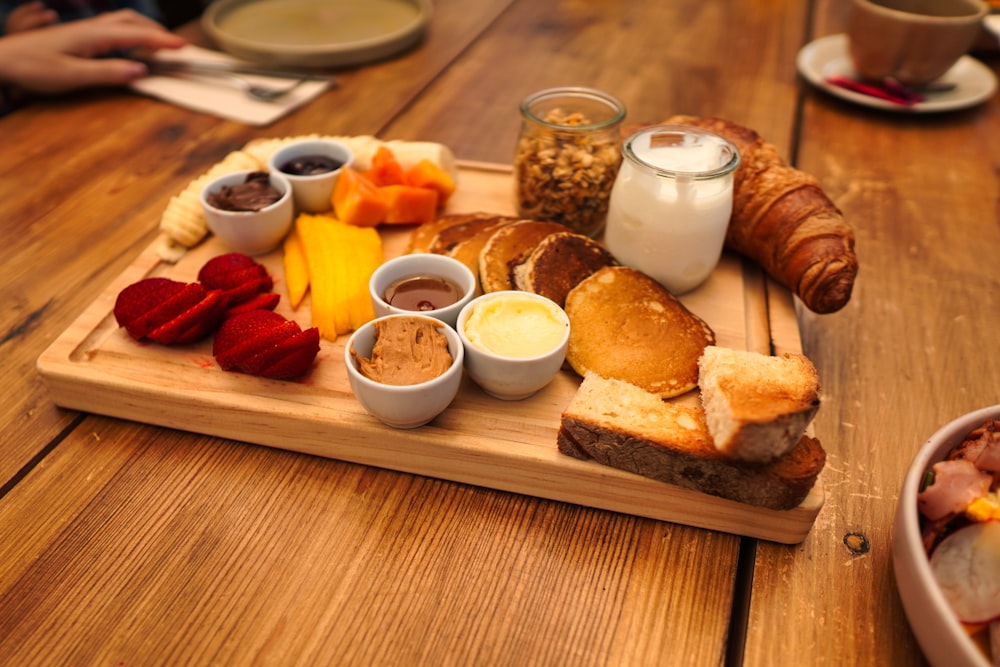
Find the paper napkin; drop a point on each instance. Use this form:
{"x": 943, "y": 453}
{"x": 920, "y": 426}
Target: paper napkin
{"x": 213, "y": 95}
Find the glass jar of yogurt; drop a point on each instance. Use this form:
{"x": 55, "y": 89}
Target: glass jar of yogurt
{"x": 567, "y": 156}
{"x": 671, "y": 203}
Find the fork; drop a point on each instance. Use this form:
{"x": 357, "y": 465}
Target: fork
{"x": 257, "y": 91}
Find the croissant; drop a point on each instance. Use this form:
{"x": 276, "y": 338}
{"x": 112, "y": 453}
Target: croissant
{"x": 784, "y": 221}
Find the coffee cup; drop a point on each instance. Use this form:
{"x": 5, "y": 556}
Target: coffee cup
{"x": 912, "y": 41}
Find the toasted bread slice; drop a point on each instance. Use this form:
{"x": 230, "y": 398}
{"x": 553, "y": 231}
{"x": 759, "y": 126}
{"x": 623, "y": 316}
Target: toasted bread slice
{"x": 559, "y": 263}
{"x": 626, "y": 427}
{"x": 757, "y": 406}
{"x": 625, "y": 325}
{"x": 507, "y": 248}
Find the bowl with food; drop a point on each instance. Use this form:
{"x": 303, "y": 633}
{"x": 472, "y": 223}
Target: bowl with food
{"x": 946, "y": 542}
{"x": 515, "y": 342}
{"x": 434, "y": 285}
{"x": 404, "y": 369}
{"x": 250, "y": 211}
{"x": 312, "y": 167}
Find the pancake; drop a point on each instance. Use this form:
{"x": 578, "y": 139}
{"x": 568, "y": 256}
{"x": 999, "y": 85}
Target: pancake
{"x": 476, "y": 234}
{"x": 559, "y": 263}
{"x": 507, "y": 248}
{"x": 423, "y": 235}
{"x": 625, "y": 325}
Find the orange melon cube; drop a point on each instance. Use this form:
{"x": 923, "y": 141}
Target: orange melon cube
{"x": 357, "y": 201}
{"x": 385, "y": 169}
{"x": 408, "y": 204}
{"x": 426, "y": 174}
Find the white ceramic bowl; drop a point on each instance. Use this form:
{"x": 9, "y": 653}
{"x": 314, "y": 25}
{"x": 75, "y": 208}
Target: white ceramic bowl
{"x": 512, "y": 376}
{"x": 312, "y": 192}
{"x": 403, "y": 406}
{"x": 250, "y": 232}
{"x": 422, "y": 264}
{"x": 938, "y": 631}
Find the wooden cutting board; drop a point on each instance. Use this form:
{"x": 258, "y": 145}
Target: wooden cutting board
{"x": 96, "y": 367}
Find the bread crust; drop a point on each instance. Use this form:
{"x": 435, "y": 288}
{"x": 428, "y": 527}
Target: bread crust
{"x": 625, "y": 427}
{"x": 757, "y": 406}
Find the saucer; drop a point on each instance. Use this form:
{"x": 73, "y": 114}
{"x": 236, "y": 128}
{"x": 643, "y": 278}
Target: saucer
{"x": 828, "y": 56}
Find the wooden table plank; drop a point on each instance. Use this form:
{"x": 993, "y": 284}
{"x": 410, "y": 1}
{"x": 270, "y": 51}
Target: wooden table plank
{"x": 700, "y": 59}
{"x": 909, "y": 353}
{"x": 348, "y": 564}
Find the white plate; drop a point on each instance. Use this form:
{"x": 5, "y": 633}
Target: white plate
{"x": 828, "y": 56}
{"x": 316, "y": 33}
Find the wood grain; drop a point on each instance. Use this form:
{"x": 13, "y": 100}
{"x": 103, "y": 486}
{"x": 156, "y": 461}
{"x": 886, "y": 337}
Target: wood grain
{"x": 124, "y": 543}
{"x": 334, "y": 569}
{"x": 127, "y": 543}
{"x": 902, "y": 359}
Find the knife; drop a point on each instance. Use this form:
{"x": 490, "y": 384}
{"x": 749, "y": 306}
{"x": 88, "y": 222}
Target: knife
{"x": 193, "y": 66}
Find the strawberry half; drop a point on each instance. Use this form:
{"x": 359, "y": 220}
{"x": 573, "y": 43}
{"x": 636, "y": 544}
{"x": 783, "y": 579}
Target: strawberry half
{"x": 289, "y": 358}
{"x": 262, "y": 342}
{"x": 195, "y": 322}
{"x": 299, "y": 362}
{"x": 186, "y": 298}
{"x": 135, "y": 303}
{"x": 239, "y": 275}
{"x": 168, "y": 311}
{"x": 248, "y": 334}
{"x": 262, "y": 301}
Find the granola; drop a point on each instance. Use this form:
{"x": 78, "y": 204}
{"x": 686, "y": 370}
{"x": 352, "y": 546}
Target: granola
{"x": 565, "y": 175}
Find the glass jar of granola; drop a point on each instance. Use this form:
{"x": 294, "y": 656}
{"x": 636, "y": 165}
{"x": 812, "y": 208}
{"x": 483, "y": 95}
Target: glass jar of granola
{"x": 567, "y": 157}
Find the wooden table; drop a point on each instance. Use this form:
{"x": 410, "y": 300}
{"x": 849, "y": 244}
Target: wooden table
{"x": 123, "y": 543}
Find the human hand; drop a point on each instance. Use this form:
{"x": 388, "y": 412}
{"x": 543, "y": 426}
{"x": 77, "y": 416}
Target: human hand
{"x": 29, "y": 16}
{"x": 66, "y": 57}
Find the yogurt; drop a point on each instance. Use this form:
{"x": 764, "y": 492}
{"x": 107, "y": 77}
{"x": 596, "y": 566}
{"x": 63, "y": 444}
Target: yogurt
{"x": 671, "y": 203}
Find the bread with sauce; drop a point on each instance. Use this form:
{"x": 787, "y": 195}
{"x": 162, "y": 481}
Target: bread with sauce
{"x": 509, "y": 247}
{"x": 757, "y": 406}
{"x": 558, "y": 263}
{"x": 623, "y": 426}
{"x": 625, "y": 325}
